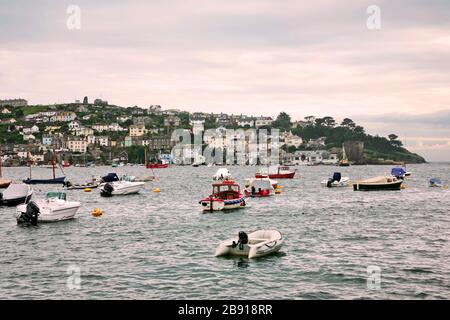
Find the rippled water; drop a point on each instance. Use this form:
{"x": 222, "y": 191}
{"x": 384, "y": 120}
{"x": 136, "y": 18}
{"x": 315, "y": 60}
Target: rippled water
{"x": 160, "y": 245}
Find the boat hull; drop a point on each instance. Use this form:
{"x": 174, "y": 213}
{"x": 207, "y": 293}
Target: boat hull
{"x": 377, "y": 186}
{"x": 59, "y": 180}
{"x": 66, "y": 212}
{"x": 259, "y": 194}
{"x": 276, "y": 175}
{"x": 214, "y": 204}
{"x": 157, "y": 165}
{"x": 119, "y": 190}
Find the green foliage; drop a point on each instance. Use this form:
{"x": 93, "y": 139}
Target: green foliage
{"x": 282, "y": 122}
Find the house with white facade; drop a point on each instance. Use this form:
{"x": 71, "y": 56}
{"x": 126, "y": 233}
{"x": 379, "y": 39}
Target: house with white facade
{"x": 77, "y": 144}
{"x": 263, "y": 121}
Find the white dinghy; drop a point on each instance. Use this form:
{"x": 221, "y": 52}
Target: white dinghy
{"x": 254, "y": 245}
{"x": 54, "y": 208}
{"x": 120, "y": 188}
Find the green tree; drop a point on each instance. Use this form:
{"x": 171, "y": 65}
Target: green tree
{"x": 348, "y": 123}
{"x": 282, "y": 122}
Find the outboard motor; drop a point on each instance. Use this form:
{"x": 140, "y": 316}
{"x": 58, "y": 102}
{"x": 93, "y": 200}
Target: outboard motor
{"x": 107, "y": 190}
{"x": 67, "y": 184}
{"x": 31, "y": 214}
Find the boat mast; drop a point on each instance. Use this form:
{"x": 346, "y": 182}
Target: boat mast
{"x": 0, "y": 164}
{"x": 28, "y": 160}
{"x": 53, "y": 162}
{"x": 145, "y": 156}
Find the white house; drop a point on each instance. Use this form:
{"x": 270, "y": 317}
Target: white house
{"x": 83, "y": 131}
{"x": 100, "y": 127}
{"x": 27, "y": 137}
{"x": 90, "y": 139}
{"x": 6, "y": 111}
{"x": 263, "y": 121}
{"x": 47, "y": 140}
{"x": 291, "y": 139}
{"x": 73, "y": 125}
{"x": 102, "y": 141}
{"x": 243, "y": 123}
{"x": 78, "y": 145}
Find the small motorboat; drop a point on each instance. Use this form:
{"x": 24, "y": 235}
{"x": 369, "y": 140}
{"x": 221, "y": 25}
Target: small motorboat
{"x": 81, "y": 186}
{"x": 436, "y": 182}
{"x": 226, "y": 195}
{"x": 122, "y": 187}
{"x": 54, "y": 208}
{"x": 273, "y": 182}
{"x": 336, "y": 181}
{"x": 222, "y": 174}
{"x": 399, "y": 173}
{"x": 260, "y": 188}
{"x": 4, "y": 183}
{"x": 157, "y": 165}
{"x": 15, "y": 194}
{"x": 254, "y": 245}
{"x": 378, "y": 183}
{"x": 276, "y": 172}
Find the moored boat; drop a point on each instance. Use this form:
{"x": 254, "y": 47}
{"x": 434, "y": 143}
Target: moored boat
{"x": 225, "y": 195}
{"x": 399, "y": 173}
{"x": 81, "y": 186}
{"x": 336, "y": 181}
{"x": 435, "y": 182}
{"x": 54, "y": 208}
{"x": 276, "y": 172}
{"x": 378, "y": 183}
{"x": 222, "y": 174}
{"x": 254, "y": 245}
{"x": 4, "y": 183}
{"x": 15, "y": 194}
{"x": 119, "y": 188}
{"x": 157, "y": 165}
{"x": 260, "y": 188}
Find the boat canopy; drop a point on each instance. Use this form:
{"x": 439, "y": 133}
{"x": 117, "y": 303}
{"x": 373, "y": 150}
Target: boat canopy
{"x": 263, "y": 184}
{"x": 337, "y": 176}
{"x": 398, "y": 172}
{"x": 57, "y": 195}
{"x": 16, "y": 190}
{"x": 110, "y": 177}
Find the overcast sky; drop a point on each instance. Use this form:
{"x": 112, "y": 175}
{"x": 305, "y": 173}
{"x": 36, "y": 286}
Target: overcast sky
{"x": 252, "y": 57}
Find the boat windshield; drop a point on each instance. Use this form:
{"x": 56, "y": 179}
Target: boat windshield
{"x": 56, "y": 195}
{"x": 226, "y": 191}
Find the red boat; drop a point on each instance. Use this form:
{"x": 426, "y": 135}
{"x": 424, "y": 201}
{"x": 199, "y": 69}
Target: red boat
{"x": 66, "y": 164}
{"x": 276, "y": 172}
{"x": 157, "y": 165}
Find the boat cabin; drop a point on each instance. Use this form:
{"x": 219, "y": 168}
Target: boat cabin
{"x": 226, "y": 191}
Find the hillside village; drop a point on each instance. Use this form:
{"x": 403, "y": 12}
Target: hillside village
{"x": 82, "y": 132}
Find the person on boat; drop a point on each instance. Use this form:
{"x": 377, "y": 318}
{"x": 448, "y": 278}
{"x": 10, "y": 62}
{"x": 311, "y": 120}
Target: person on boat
{"x": 253, "y": 190}
{"x": 243, "y": 239}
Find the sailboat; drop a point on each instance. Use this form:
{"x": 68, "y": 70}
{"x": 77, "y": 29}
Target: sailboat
{"x": 4, "y": 183}
{"x": 344, "y": 161}
{"x": 54, "y": 180}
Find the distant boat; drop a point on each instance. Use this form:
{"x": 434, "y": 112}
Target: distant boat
{"x": 378, "y": 183}
{"x": 54, "y": 180}
{"x": 276, "y": 172}
{"x": 344, "y": 161}
{"x": 336, "y": 181}
{"x": 260, "y": 188}
{"x": 435, "y": 182}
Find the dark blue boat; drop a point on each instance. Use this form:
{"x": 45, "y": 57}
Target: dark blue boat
{"x": 59, "y": 180}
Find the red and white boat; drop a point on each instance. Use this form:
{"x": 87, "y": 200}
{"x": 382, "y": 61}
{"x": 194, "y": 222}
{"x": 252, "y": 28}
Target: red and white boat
{"x": 276, "y": 172}
{"x": 263, "y": 187}
{"x": 225, "y": 195}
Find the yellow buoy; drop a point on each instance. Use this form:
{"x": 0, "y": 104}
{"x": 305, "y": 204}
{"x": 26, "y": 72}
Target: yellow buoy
{"x": 156, "y": 190}
{"x": 403, "y": 187}
{"x": 96, "y": 212}
{"x": 277, "y": 191}
{"x": 87, "y": 189}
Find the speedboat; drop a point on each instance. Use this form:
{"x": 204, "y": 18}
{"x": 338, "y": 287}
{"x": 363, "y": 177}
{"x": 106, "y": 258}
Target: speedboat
{"x": 260, "y": 188}
{"x": 122, "y": 187}
{"x": 54, "y": 208}
{"x": 225, "y": 195}
{"x": 378, "y": 183}
{"x": 254, "y": 245}
{"x": 399, "y": 173}
{"x": 336, "y": 181}
{"x": 15, "y": 194}
{"x": 435, "y": 182}
{"x": 222, "y": 174}
{"x": 276, "y": 172}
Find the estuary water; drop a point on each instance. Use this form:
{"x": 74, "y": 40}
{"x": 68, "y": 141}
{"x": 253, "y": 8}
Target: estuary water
{"x": 161, "y": 246}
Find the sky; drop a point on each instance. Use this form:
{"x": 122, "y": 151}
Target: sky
{"x": 256, "y": 57}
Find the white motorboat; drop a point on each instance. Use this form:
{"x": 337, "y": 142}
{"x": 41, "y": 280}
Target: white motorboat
{"x": 54, "y": 208}
{"x": 336, "y": 181}
{"x": 254, "y": 245}
{"x": 222, "y": 174}
{"x": 15, "y": 194}
{"x": 120, "y": 188}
